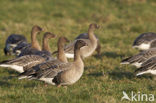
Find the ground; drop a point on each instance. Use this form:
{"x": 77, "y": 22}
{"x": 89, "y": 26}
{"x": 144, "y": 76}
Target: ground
{"x": 104, "y": 79}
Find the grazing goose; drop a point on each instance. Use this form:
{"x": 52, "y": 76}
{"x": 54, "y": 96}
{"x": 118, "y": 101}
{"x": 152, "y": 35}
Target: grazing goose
{"x": 147, "y": 67}
{"x": 56, "y": 72}
{"x": 145, "y": 41}
{"x": 25, "y": 48}
{"x": 138, "y": 59}
{"x": 12, "y": 41}
{"x": 87, "y": 50}
{"x": 85, "y": 36}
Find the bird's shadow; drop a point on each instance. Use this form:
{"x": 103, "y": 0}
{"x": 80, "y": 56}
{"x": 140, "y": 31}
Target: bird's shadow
{"x": 5, "y": 84}
{"x": 120, "y": 75}
{"x": 129, "y": 75}
{"x": 96, "y": 74}
{"x": 109, "y": 55}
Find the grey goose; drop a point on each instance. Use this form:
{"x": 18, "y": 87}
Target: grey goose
{"x": 148, "y": 67}
{"x": 24, "y": 48}
{"x": 85, "y": 36}
{"x": 145, "y": 41}
{"x": 56, "y": 72}
{"x": 87, "y": 50}
{"x": 12, "y": 41}
{"x": 22, "y": 63}
{"x": 138, "y": 59}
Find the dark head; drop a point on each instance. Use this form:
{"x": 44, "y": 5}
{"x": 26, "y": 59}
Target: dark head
{"x": 48, "y": 35}
{"x": 36, "y": 29}
{"x": 79, "y": 44}
{"x": 93, "y": 26}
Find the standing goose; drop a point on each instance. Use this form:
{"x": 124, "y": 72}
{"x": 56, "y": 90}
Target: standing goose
{"x": 85, "y": 36}
{"x": 60, "y": 44}
{"x": 12, "y": 41}
{"x": 57, "y": 72}
{"x": 87, "y": 50}
{"x": 26, "y": 49}
{"x": 147, "y": 67}
{"x": 145, "y": 41}
{"x": 22, "y": 63}
{"x": 138, "y": 59}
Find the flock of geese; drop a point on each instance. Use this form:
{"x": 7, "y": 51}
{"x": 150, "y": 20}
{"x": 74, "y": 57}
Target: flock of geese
{"x": 34, "y": 62}
{"x": 145, "y": 60}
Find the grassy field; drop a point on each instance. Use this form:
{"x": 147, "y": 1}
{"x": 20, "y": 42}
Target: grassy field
{"x": 121, "y": 22}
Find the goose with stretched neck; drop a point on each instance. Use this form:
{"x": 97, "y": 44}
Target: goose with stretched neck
{"x": 57, "y": 72}
{"x": 27, "y": 49}
{"x": 60, "y": 44}
{"x": 85, "y": 36}
{"x": 12, "y": 41}
{"x": 87, "y": 50}
{"x": 20, "y": 64}
{"x": 145, "y": 41}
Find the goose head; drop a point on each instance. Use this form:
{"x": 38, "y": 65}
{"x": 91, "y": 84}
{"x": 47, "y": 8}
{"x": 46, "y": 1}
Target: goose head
{"x": 80, "y": 43}
{"x": 36, "y": 29}
{"x": 62, "y": 40}
{"x": 47, "y": 36}
{"x": 94, "y": 26}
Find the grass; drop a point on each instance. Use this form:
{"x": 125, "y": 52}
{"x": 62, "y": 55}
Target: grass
{"x": 121, "y": 22}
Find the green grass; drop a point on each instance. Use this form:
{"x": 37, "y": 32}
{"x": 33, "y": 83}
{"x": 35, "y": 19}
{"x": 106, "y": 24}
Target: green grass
{"x": 121, "y": 22}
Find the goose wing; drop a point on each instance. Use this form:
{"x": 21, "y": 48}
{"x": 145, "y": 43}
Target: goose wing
{"x": 141, "y": 57}
{"x": 147, "y": 67}
{"x": 24, "y": 62}
{"x": 47, "y": 69}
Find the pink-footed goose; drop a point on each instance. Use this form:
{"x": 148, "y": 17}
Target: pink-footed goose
{"x": 148, "y": 67}
{"x": 12, "y": 41}
{"x": 56, "y": 72}
{"x": 22, "y": 63}
{"x": 145, "y": 41}
{"x": 85, "y": 36}
{"x": 138, "y": 59}
{"x": 26, "y": 48}
{"x": 87, "y": 50}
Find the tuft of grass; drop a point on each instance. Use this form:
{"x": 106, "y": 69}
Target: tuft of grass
{"x": 104, "y": 79}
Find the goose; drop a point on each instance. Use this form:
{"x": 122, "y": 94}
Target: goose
{"x": 138, "y": 59}
{"x": 60, "y": 44}
{"x": 24, "y": 48}
{"x": 12, "y": 41}
{"x": 56, "y": 72}
{"x": 87, "y": 50}
{"x": 23, "y": 63}
{"x": 85, "y": 36}
{"x": 148, "y": 67}
{"x": 20, "y": 63}
{"x": 145, "y": 41}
